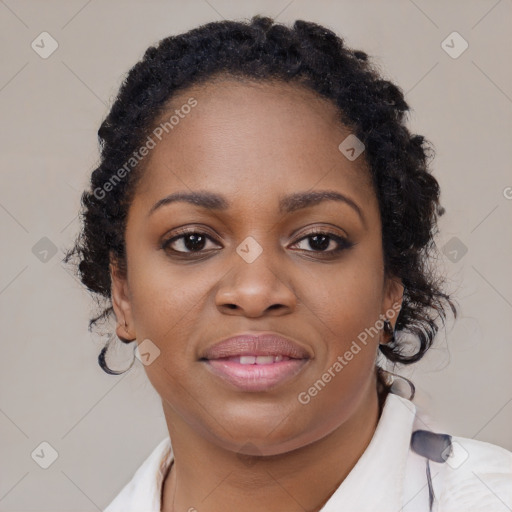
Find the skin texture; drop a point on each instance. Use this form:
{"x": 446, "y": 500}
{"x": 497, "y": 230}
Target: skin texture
{"x": 254, "y": 143}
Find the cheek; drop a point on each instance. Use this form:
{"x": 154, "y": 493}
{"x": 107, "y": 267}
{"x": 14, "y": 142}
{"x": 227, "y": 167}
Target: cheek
{"x": 346, "y": 304}
{"x": 346, "y": 311}
{"x": 164, "y": 298}
{"x": 348, "y": 299}
{"x": 164, "y": 304}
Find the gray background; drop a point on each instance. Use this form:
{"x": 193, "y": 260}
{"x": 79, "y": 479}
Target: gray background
{"x": 103, "y": 426}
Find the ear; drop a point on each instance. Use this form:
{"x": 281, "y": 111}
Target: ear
{"x": 392, "y": 299}
{"x": 121, "y": 303}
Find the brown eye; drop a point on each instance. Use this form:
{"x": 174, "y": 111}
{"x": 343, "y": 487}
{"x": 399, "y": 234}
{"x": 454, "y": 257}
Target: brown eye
{"x": 320, "y": 241}
{"x": 190, "y": 241}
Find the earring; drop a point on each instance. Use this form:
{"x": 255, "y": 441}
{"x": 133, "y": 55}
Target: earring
{"x": 388, "y": 329}
{"x": 125, "y": 340}
{"x": 102, "y": 362}
{"x": 396, "y": 382}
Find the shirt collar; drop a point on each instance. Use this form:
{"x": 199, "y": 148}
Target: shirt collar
{"x": 143, "y": 491}
{"x": 376, "y": 482}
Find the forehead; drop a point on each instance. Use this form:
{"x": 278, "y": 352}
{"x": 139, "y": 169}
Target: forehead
{"x": 252, "y": 136}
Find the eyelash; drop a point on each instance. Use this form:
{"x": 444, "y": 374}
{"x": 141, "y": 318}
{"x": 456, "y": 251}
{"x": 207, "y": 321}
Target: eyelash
{"x": 343, "y": 243}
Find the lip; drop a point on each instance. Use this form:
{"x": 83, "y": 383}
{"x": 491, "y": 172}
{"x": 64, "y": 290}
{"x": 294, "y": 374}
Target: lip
{"x": 280, "y": 360}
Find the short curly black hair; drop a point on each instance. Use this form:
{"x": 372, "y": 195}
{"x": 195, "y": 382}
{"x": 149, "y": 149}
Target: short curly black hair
{"x": 309, "y": 55}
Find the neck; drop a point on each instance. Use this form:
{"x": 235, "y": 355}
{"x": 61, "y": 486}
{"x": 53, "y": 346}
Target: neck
{"x": 208, "y": 478}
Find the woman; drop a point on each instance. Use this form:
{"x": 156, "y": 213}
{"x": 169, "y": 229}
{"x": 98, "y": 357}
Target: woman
{"x": 261, "y": 224}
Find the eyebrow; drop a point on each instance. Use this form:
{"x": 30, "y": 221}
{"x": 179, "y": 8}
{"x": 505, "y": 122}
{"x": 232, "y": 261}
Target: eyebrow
{"x": 287, "y": 204}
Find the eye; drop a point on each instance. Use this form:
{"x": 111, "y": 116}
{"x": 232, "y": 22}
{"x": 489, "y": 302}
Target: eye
{"x": 192, "y": 241}
{"x": 320, "y": 241}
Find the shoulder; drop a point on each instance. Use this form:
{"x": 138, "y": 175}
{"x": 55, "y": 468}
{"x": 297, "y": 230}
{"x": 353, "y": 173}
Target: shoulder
{"x": 476, "y": 476}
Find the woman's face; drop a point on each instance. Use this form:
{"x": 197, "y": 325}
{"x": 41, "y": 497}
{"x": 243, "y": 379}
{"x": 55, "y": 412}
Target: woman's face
{"x": 256, "y": 266}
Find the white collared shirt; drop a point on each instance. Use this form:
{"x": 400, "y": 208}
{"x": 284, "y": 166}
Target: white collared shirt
{"x": 388, "y": 477}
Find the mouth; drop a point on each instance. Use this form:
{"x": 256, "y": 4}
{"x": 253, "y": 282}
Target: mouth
{"x": 254, "y": 359}
{"x": 251, "y": 362}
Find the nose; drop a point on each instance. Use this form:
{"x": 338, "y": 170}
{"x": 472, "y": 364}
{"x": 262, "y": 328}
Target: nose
{"x": 256, "y": 287}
